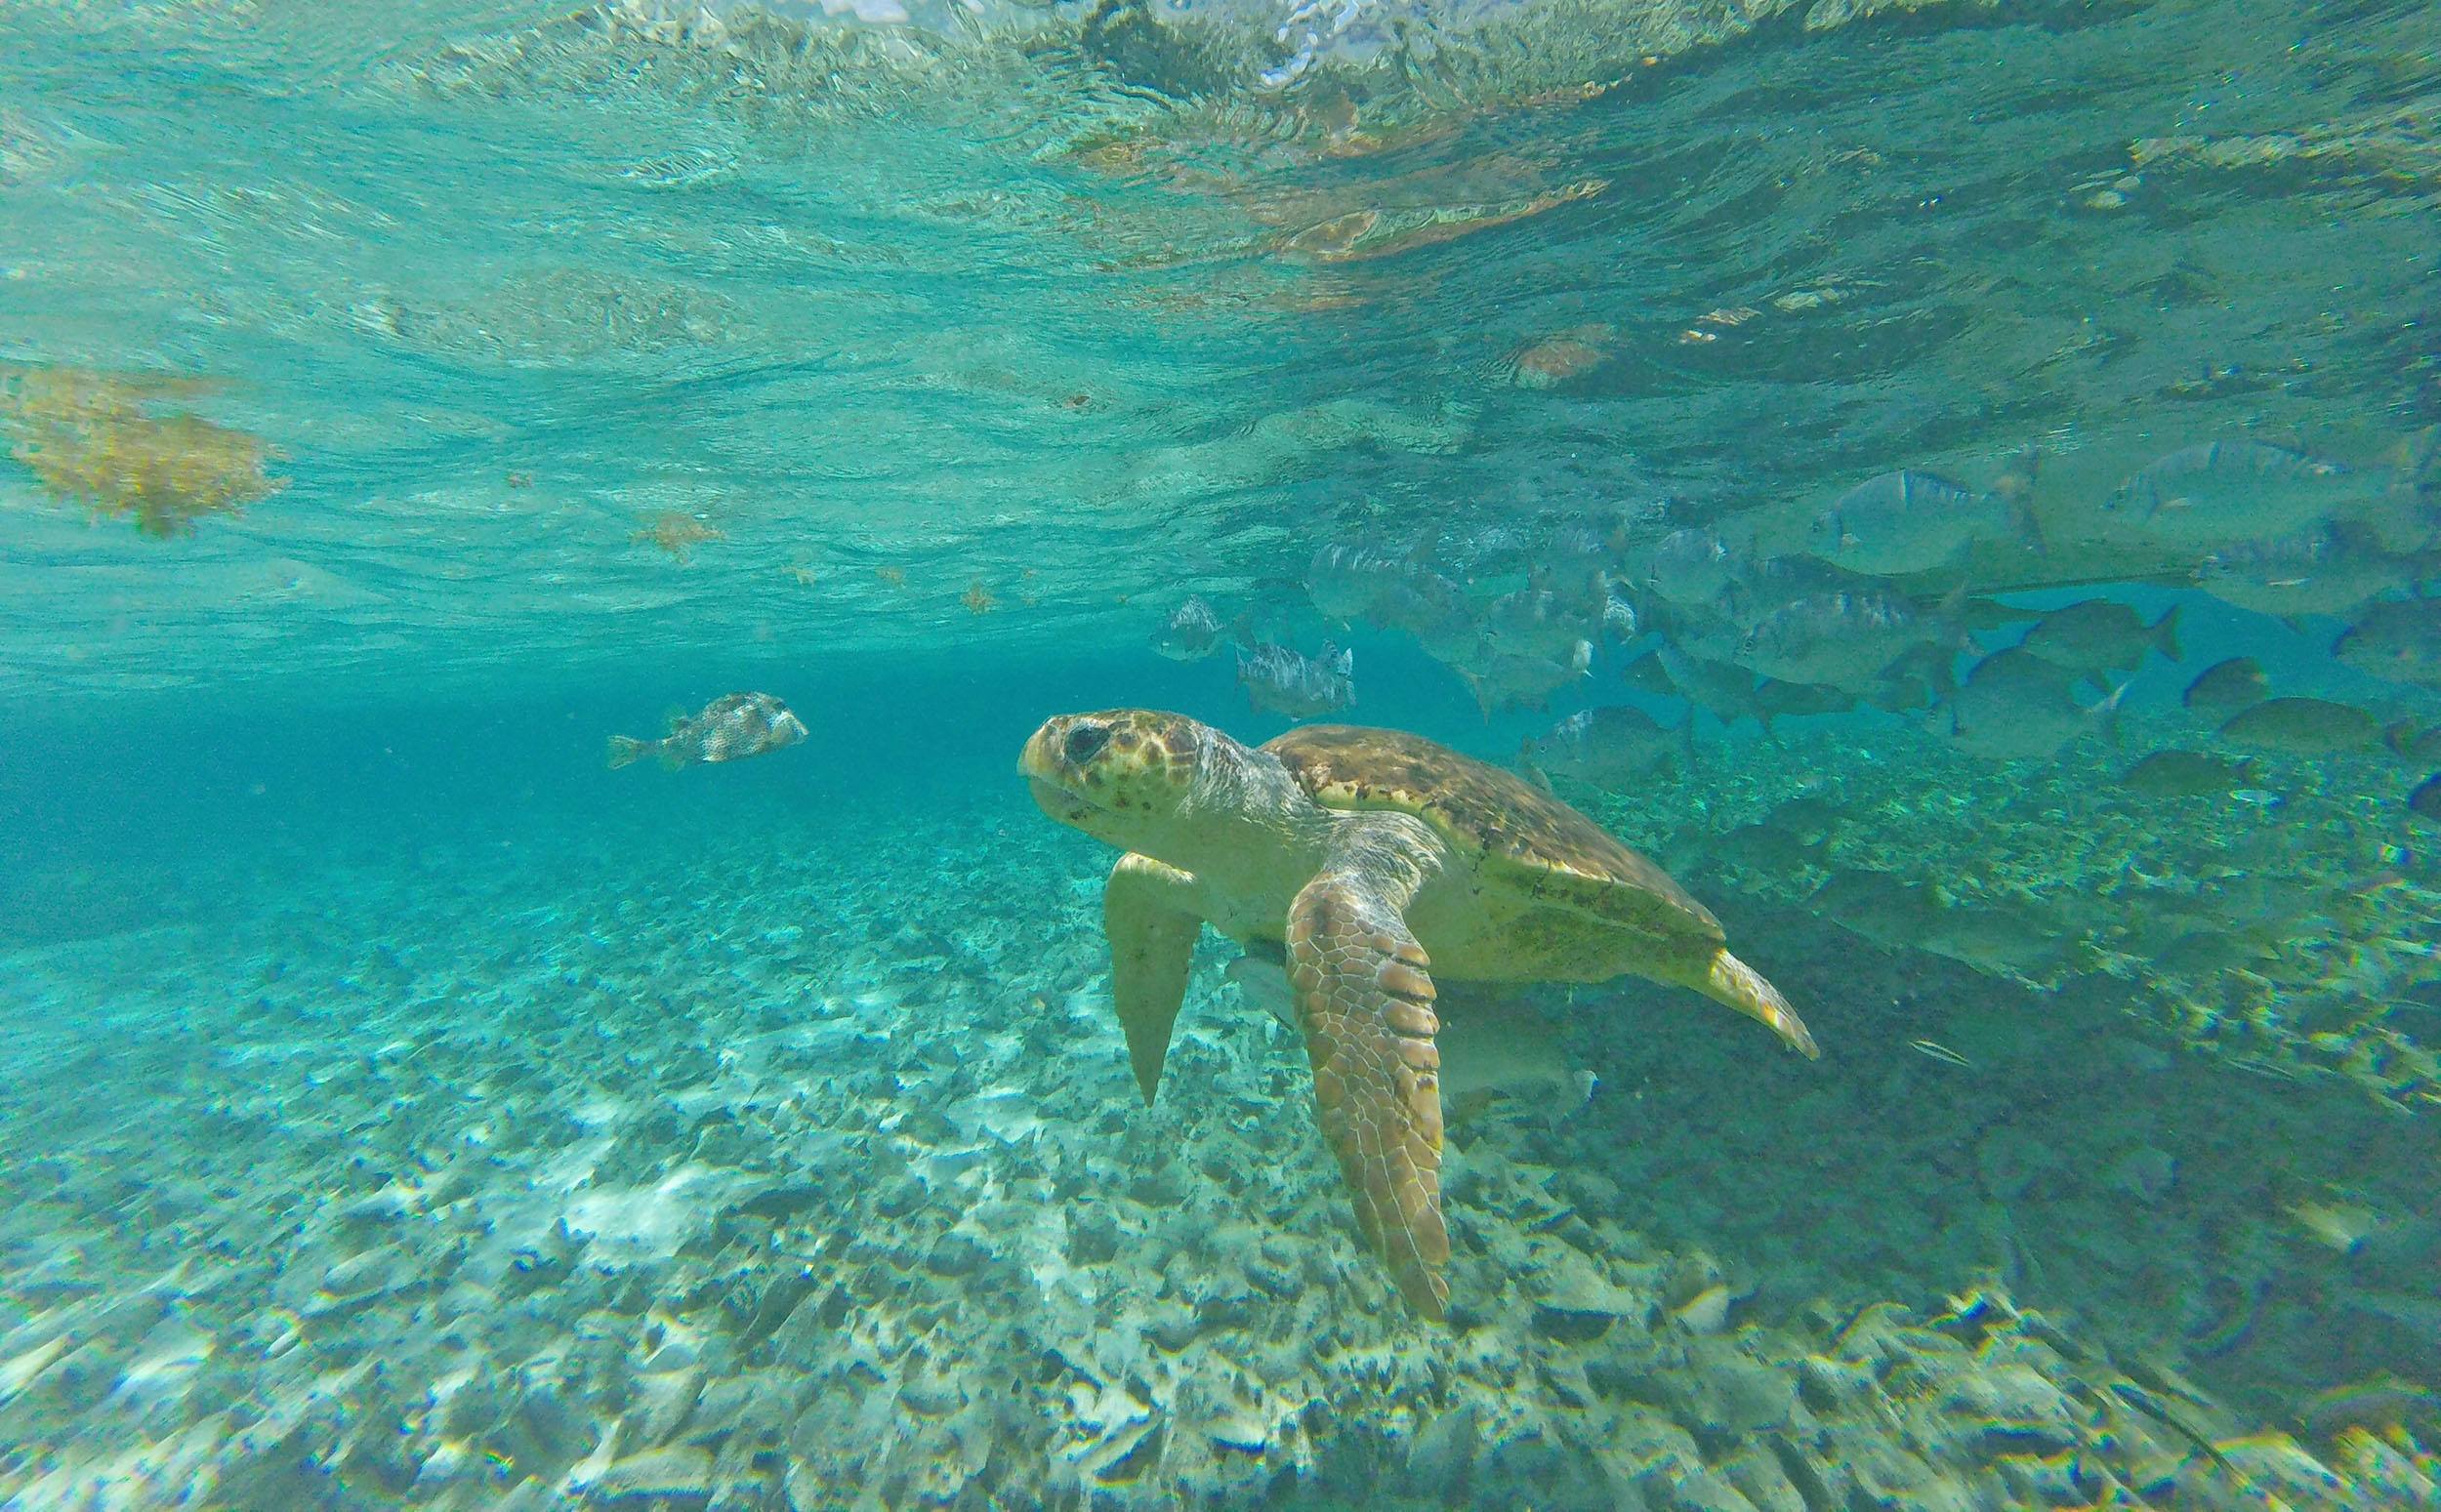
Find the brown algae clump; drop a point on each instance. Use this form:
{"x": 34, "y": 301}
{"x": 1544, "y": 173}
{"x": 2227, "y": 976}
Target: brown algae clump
{"x": 91, "y": 438}
{"x": 677, "y": 534}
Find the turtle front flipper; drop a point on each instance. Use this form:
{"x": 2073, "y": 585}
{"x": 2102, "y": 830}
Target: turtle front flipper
{"x": 1147, "y": 911}
{"x": 1366, "y": 1004}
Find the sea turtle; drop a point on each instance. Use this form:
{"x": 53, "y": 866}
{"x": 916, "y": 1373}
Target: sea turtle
{"x": 1373, "y": 857}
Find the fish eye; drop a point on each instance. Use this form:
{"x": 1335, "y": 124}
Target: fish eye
{"x": 1086, "y": 740}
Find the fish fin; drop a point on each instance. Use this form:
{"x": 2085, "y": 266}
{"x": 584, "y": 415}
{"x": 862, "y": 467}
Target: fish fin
{"x": 1240, "y": 631}
{"x": 673, "y": 755}
{"x": 1475, "y": 685}
{"x": 625, "y": 750}
{"x": 2107, "y": 714}
{"x": 1525, "y": 764}
{"x": 673, "y": 720}
{"x": 2030, "y": 526}
{"x": 1949, "y": 618}
{"x": 2166, "y": 634}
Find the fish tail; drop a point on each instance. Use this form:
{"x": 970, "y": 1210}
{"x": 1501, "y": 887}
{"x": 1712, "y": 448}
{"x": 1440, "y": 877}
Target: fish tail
{"x": 625, "y": 750}
{"x": 2166, "y": 634}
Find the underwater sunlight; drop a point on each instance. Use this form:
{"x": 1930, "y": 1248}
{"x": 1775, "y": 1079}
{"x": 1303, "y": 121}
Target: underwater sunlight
{"x": 1106, "y": 754}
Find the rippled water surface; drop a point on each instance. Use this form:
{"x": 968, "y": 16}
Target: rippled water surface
{"x": 1978, "y": 460}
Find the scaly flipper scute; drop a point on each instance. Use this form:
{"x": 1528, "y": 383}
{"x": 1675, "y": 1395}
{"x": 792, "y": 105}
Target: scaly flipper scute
{"x": 1727, "y": 980}
{"x": 1366, "y": 1002}
{"x": 1153, "y": 944}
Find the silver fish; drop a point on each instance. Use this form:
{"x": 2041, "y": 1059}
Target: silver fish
{"x": 1299, "y": 687}
{"x": 1536, "y": 621}
{"x": 730, "y": 729}
{"x": 1347, "y": 578}
{"x": 2224, "y": 491}
{"x": 1190, "y": 633}
{"x": 1612, "y": 746}
{"x": 1504, "y": 679}
{"x": 1690, "y": 566}
{"x": 1723, "y": 687}
{"x": 1841, "y": 639}
{"x": 1905, "y": 522}
{"x": 2321, "y": 569}
{"x": 1777, "y": 700}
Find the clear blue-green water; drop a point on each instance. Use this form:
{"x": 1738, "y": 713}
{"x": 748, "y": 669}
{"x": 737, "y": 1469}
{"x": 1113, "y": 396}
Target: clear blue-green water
{"x": 402, "y": 1108}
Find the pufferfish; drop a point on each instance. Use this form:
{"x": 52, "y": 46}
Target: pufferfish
{"x": 730, "y": 729}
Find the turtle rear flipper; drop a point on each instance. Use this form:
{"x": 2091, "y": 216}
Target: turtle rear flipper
{"x": 1153, "y": 944}
{"x": 1727, "y": 980}
{"x": 1366, "y": 1003}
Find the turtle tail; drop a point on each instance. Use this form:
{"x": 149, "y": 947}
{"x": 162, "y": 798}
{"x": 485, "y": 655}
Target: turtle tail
{"x": 1732, "y": 981}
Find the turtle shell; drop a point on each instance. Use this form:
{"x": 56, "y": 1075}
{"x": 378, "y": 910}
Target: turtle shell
{"x": 1516, "y": 835}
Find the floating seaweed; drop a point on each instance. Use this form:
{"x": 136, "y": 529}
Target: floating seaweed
{"x": 677, "y": 534}
{"x": 93, "y": 439}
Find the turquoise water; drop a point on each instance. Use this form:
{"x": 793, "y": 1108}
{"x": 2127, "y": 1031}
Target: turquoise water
{"x": 399, "y": 1107}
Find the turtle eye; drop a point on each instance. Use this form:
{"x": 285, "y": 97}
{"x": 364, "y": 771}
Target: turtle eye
{"x": 1085, "y": 742}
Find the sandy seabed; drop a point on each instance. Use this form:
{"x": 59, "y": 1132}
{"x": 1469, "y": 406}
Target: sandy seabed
{"x": 803, "y": 1170}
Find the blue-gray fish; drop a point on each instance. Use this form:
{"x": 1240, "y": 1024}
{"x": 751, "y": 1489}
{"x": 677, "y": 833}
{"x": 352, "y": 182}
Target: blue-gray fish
{"x": 2228, "y": 686}
{"x": 1190, "y": 633}
{"x": 1904, "y": 523}
{"x": 2225, "y": 491}
{"x": 1611, "y": 745}
{"x": 2186, "y": 774}
{"x": 2399, "y": 642}
{"x": 2301, "y": 726}
{"x": 1299, "y": 687}
{"x": 1841, "y": 639}
{"x": 730, "y": 729}
{"x": 2099, "y": 638}
{"x": 2016, "y": 707}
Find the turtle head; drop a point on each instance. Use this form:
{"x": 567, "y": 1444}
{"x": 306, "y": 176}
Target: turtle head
{"x": 1121, "y": 775}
